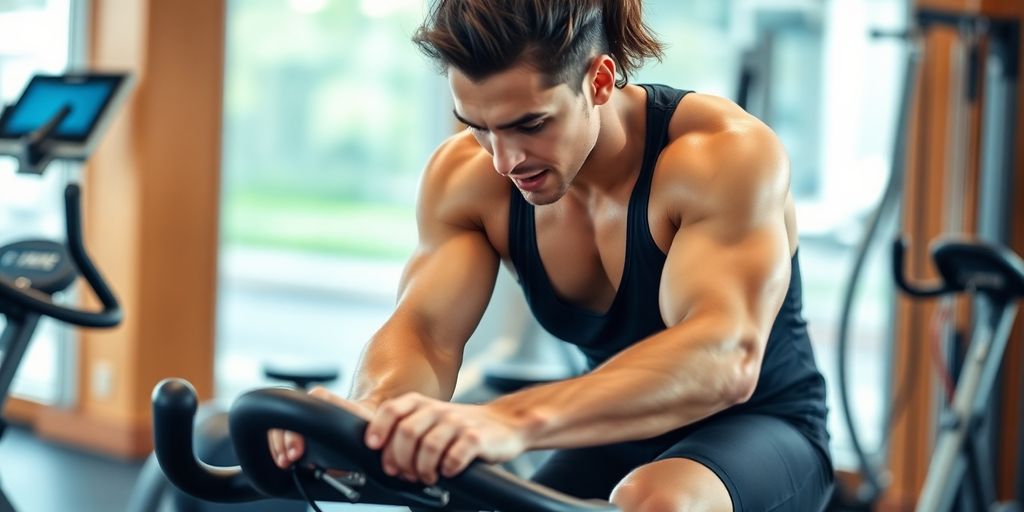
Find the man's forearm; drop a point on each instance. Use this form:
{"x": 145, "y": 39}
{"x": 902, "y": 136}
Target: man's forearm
{"x": 400, "y": 360}
{"x": 667, "y": 381}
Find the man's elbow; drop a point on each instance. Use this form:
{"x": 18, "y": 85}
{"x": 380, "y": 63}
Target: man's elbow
{"x": 743, "y": 390}
{"x": 746, "y": 370}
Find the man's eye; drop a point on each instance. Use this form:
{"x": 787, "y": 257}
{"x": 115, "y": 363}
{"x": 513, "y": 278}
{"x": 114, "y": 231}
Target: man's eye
{"x": 532, "y": 128}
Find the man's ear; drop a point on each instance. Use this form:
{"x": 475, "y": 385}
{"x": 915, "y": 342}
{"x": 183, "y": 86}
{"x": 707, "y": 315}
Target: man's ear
{"x": 600, "y": 79}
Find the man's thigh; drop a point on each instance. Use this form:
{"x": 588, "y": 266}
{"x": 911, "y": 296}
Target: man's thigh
{"x": 764, "y": 464}
{"x": 760, "y": 461}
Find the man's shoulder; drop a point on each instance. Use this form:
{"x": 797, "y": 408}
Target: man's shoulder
{"x": 460, "y": 179}
{"x": 460, "y": 161}
{"x": 717, "y": 151}
{"x": 703, "y": 117}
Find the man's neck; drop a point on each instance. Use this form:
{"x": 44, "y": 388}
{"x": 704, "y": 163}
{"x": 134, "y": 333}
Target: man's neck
{"x": 616, "y": 156}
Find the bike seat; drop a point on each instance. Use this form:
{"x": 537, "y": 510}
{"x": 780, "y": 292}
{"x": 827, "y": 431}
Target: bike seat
{"x": 302, "y": 375}
{"x": 987, "y": 268}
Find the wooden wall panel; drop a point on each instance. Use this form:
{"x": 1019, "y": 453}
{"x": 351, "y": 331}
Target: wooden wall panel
{"x": 923, "y": 218}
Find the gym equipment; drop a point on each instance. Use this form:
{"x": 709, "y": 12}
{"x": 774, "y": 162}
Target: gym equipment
{"x": 991, "y": 51}
{"x": 995, "y": 276}
{"x": 213, "y": 445}
{"x": 60, "y": 117}
{"x": 337, "y": 465}
{"x": 57, "y": 117}
{"x": 872, "y": 486}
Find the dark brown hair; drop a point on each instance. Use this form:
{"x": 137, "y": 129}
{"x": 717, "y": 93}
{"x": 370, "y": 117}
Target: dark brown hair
{"x": 556, "y": 37}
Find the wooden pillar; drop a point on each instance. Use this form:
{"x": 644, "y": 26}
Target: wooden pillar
{"x": 923, "y": 219}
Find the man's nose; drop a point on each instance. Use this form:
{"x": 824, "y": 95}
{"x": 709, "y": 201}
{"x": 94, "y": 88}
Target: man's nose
{"x": 507, "y": 156}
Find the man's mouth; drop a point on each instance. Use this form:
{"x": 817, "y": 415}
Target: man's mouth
{"x": 530, "y": 181}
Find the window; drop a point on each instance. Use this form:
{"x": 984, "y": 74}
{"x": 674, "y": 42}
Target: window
{"x": 37, "y": 36}
{"x": 330, "y": 115}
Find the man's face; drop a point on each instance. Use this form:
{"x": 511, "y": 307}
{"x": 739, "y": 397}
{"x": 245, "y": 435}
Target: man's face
{"x": 538, "y": 136}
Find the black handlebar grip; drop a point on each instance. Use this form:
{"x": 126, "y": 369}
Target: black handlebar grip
{"x": 174, "y": 410}
{"x": 899, "y": 247}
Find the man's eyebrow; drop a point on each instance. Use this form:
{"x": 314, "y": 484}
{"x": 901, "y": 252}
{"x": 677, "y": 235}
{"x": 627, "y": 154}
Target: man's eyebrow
{"x": 523, "y": 119}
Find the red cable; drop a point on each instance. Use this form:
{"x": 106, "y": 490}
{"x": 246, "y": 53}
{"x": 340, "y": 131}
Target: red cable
{"x": 939, "y": 319}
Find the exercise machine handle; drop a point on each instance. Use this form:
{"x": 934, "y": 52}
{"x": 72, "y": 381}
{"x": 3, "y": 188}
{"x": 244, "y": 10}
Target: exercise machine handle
{"x": 174, "y": 410}
{"x": 109, "y": 316}
{"x": 899, "y": 247}
{"x": 326, "y": 427}
{"x": 256, "y": 412}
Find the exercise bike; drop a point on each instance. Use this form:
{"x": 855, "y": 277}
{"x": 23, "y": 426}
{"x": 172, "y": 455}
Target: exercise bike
{"x": 57, "y": 117}
{"x": 995, "y": 276}
{"x": 336, "y": 467}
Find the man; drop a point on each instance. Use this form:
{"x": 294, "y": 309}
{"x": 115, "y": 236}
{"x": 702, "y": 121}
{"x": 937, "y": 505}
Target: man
{"x": 650, "y": 227}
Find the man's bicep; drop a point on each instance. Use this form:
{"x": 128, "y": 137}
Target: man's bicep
{"x": 740, "y": 279}
{"x": 729, "y": 259}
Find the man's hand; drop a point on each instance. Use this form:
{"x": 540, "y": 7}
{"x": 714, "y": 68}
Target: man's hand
{"x": 287, "y": 447}
{"x": 421, "y": 437}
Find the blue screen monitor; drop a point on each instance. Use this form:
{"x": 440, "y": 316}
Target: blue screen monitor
{"x": 88, "y": 96}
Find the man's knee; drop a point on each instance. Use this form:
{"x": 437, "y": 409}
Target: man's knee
{"x": 675, "y": 485}
{"x": 632, "y": 498}
{"x": 635, "y": 497}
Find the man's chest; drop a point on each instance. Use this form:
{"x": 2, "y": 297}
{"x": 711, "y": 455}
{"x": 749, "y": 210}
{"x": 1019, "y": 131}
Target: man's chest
{"x": 583, "y": 248}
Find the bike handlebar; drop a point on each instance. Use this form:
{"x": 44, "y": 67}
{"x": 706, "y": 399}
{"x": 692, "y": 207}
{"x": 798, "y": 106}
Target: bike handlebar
{"x": 332, "y": 434}
{"x": 109, "y": 316}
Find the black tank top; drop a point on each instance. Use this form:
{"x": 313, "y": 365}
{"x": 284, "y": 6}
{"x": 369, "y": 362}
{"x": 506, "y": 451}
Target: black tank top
{"x": 789, "y": 385}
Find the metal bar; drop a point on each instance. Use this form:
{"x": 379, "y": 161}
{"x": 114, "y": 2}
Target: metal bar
{"x": 15, "y": 339}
